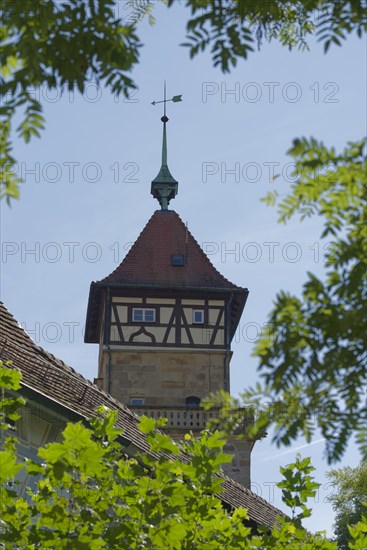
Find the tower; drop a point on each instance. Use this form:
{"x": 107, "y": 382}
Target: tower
{"x": 164, "y": 320}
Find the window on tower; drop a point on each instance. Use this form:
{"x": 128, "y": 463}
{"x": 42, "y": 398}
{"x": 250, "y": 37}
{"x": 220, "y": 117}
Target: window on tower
{"x": 192, "y": 401}
{"x": 146, "y": 315}
{"x": 137, "y": 401}
{"x": 198, "y": 316}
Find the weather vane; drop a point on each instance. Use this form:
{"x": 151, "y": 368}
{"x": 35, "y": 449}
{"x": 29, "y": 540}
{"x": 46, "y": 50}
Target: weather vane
{"x": 164, "y": 186}
{"x": 175, "y": 99}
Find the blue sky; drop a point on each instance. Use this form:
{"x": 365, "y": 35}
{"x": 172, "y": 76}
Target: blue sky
{"x": 87, "y": 192}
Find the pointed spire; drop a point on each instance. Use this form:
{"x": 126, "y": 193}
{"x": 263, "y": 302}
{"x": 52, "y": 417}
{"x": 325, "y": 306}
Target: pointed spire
{"x": 164, "y": 186}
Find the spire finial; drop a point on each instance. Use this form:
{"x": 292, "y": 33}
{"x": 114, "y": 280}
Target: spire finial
{"x": 164, "y": 186}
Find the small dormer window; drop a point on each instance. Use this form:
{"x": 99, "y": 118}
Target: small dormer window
{"x": 146, "y": 315}
{"x": 198, "y": 316}
{"x": 177, "y": 260}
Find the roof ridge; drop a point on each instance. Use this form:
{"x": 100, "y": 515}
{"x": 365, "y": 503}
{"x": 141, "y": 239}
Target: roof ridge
{"x": 44, "y": 352}
{"x": 55, "y": 363}
{"x": 248, "y": 490}
{"x": 132, "y": 248}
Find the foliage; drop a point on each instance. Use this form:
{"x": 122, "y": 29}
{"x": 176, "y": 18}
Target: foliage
{"x": 359, "y": 534}
{"x": 9, "y": 406}
{"x": 349, "y": 493}
{"x": 142, "y": 9}
{"x": 67, "y": 44}
{"x": 298, "y": 486}
{"x": 56, "y": 45}
{"x": 313, "y": 360}
{"x": 232, "y": 27}
{"x": 88, "y": 494}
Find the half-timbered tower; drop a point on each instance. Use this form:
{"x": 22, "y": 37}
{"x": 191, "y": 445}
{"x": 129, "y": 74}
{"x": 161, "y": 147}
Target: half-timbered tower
{"x": 164, "y": 321}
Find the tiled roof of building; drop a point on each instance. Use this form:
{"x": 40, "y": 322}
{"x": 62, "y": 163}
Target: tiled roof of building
{"x": 51, "y": 379}
{"x": 148, "y": 264}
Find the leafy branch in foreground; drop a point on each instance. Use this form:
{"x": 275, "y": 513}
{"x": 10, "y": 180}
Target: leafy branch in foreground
{"x": 88, "y": 494}
{"x": 313, "y": 361}
{"x": 232, "y": 27}
{"x": 67, "y": 44}
{"x": 60, "y": 45}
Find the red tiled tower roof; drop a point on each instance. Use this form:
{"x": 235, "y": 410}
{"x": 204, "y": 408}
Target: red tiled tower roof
{"x": 148, "y": 265}
{"x": 149, "y": 259}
